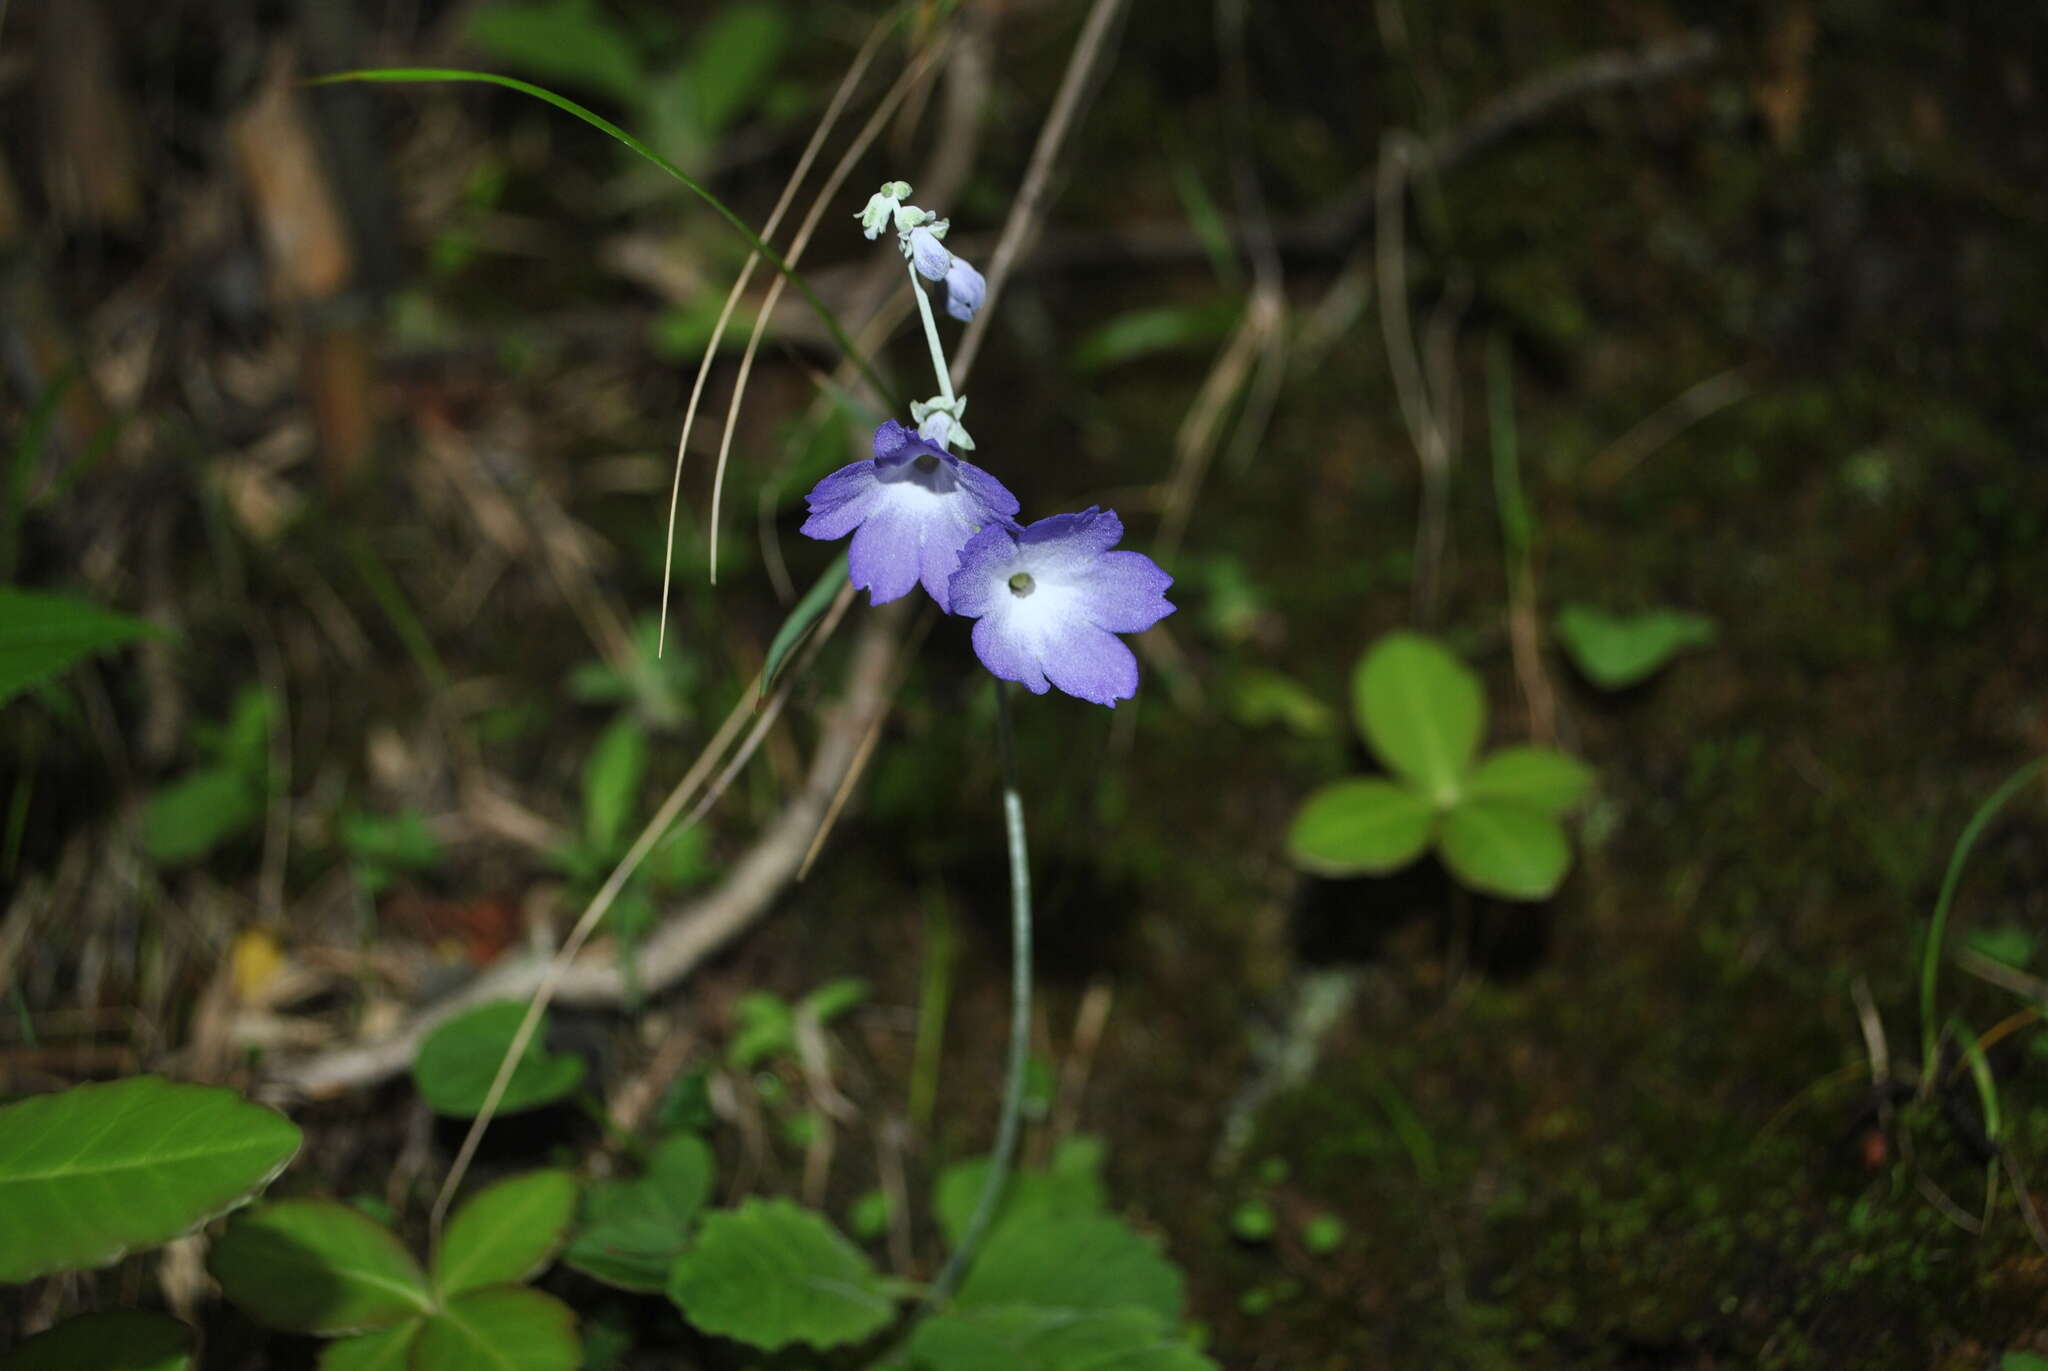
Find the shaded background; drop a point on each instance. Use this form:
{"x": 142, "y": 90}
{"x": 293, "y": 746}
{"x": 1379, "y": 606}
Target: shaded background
{"x": 369, "y": 395}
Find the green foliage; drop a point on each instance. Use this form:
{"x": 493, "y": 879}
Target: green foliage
{"x": 91, "y": 1173}
{"x": 1025, "y": 1338}
{"x": 380, "y": 846}
{"x": 1495, "y": 824}
{"x": 807, "y": 612}
{"x": 768, "y": 1023}
{"x": 1615, "y": 651}
{"x": 117, "y": 1340}
{"x": 770, "y": 1274}
{"x": 1070, "y": 1186}
{"x": 224, "y": 795}
{"x": 1151, "y": 331}
{"x": 1254, "y": 1221}
{"x": 655, "y": 684}
{"x": 633, "y": 1230}
{"x": 1322, "y": 1234}
{"x": 319, "y": 1267}
{"x": 571, "y": 42}
{"x": 611, "y": 783}
{"x": 42, "y": 635}
{"x": 460, "y": 1059}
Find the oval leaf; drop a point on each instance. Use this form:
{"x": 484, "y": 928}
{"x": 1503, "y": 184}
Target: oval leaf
{"x": 1615, "y": 651}
{"x": 611, "y": 781}
{"x": 1364, "y": 827}
{"x": 1085, "y": 1263}
{"x": 118, "y": 1340}
{"x": 459, "y": 1060}
{"x": 771, "y": 1274}
{"x": 1541, "y": 778}
{"x": 317, "y": 1266}
{"x": 387, "y": 1349}
{"x": 41, "y": 635}
{"x": 502, "y": 1328}
{"x": 1421, "y": 710}
{"x": 507, "y": 1233}
{"x": 91, "y": 1172}
{"x": 634, "y": 1230}
{"x": 1505, "y": 849}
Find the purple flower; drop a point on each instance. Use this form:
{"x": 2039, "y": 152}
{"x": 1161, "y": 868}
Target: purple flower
{"x": 928, "y": 254}
{"x": 964, "y": 290}
{"x": 1050, "y": 599}
{"x": 914, "y": 505}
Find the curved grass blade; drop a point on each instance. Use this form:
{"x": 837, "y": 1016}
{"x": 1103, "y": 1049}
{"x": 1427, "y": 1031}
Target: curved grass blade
{"x": 425, "y": 75}
{"x": 815, "y": 602}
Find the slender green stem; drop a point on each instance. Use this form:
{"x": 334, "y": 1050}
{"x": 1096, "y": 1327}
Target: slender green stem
{"x": 1937, "y": 933}
{"x": 1008, "y": 1126}
{"x": 931, "y": 335}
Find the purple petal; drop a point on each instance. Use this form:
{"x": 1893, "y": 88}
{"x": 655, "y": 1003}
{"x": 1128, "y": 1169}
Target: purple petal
{"x": 883, "y": 559}
{"x": 1125, "y": 592}
{"x": 929, "y": 255}
{"x": 984, "y": 563}
{"x": 1090, "y": 663}
{"x": 890, "y": 439}
{"x": 992, "y": 495}
{"x": 840, "y": 501}
{"x": 1007, "y": 657}
{"x": 965, "y": 290}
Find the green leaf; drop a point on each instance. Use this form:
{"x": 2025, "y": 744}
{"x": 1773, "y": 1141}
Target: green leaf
{"x": 460, "y": 1059}
{"x": 399, "y": 840}
{"x": 1070, "y": 1187}
{"x": 570, "y": 41}
{"x": 611, "y": 782}
{"x": 318, "y": 1266}
{"x": 1147, "y": 332}
{"x": 245, "y": 742}
{"x": 1360, "y": 827}
{"x": 1504, "y": 849}
{"x": 1614, "y": 651}
{"x": 198, "y": 812}
{"x": 2008, "y": 943}
{"x": 770, "y": 1274}
{"x": 737, "y": 52}
{"x": 807, "y": 612}
{"x": 41, "y": 635}
{"x": 1076, "y": 1262}
{"x": 387, "y": 1349}
{"x": 767, "y": 1028}
{"x": 1421, "y": 710}
{"x": 2023, "y": 1361}
{"x": 92, "y": 1172}
{"x": 1030, "y": 1339}
{"x": 507, "y": 1233}
{"x": 1541, "y": 778}
{"x": 634, "y": 1230}
{"x": 834, "y": 998}
{"x": 118, "y": 1340}
{"x": 500, "y": 1328}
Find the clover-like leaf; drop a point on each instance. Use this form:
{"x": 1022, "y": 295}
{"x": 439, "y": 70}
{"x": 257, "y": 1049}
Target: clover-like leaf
{"x": 1615, "y": 651}
{"x": 1541, "y": 778}
{"x": 1500, "y": 848}
{"x": 1422, "y": 711}
{"x": 634, "y": 1229}
{"x": 116, "y": 1340}
{"x": 90, "y": 1173}
{"x": 499, "y": 1328}
{"x": 1360, "y": 827}
{"x": 770, "y": 1274}
{"x": 507, "y": 1233}
{"x": 318, "y": 1266}
{"x": 459, "y": 1060}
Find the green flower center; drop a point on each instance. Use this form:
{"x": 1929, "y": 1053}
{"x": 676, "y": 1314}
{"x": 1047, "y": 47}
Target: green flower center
{"x": 1021, "y": 584}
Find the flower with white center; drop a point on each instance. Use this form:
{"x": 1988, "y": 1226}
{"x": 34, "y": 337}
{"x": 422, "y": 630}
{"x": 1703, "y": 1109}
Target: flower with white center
{"x": 884, "y": 208}
{"x": 965, "y": 289}
{"x": 910, "y": 508}
{"x": 1049, "y": 599}
{"x": 938, "y": 421}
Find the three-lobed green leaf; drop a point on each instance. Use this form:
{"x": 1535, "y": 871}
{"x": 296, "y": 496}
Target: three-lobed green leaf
{"x": 634, "y": 1229}
{"x": 90, "y": 1173}
{"x": 499, "y": 1328}
{"x": 770, "y": 1273}
{"x": 507, "y": 1233}
{"x": 116, "y": 1340}
{"x": 1422, "y": 711}
{"x": 1615, "y": 651}
{"x": 42, "y": 634}
{"x": 318, "y": 1266}
{"x": 459, "y": 1060}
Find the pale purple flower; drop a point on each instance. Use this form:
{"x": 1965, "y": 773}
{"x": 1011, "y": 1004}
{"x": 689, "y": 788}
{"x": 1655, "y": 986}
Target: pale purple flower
{"x": 928, "y": 254}
{"x": 964, "y": 290}
{"x": 910, "y": 508}
{"x": 1050, "y": 598}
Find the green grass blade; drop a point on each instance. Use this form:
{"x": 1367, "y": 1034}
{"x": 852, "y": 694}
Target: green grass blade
{"x": 808, "y": 611}
{"x": 423, "y": 75}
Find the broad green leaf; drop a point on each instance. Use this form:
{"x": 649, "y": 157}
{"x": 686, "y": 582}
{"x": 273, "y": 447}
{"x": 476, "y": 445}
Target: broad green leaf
{"x": 1421, "y": 710}
{"x": 387, "y": 1349}
{"x": 571, "y": 41}
{"x": 92, "y": 1172}
{"x": 770, "y": 1274}
{"x": 1360, "y": 827}
{"x": 460, "y": 1059}
{"x": 1070, "y": 1187}
{"x": 634, "y": 1230}
{"x": 507, "y": 1233}
{"x": 318, "y": 1266}
{"x": 1541, "y": 778}
{"x": 245, "y": 742}
{"x": 198, "y": 812}
{"x": 41, "y": 635}
{"x": 808, "y": 611}
{"x": 500, "y": 1328}
{"x": 118, "y": 1340}
{"x": 737, "y": 52}
{"x": 1147, "y": 332}
{"x": 1614, "y": 651}
{"x": 1013, "y": 1338}
{"x": 1510, "y": 850}
{"x": 1073, "y": 1262}
{"x": 611, "y": 782}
